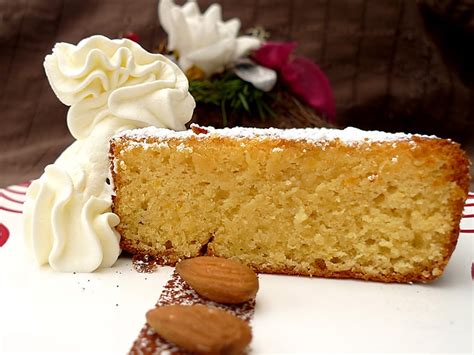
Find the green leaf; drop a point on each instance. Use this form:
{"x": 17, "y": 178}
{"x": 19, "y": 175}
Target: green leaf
{"x": 230, "y": 92}
{"x": 268, "y": 110}
{"x": 244, "y": 102}
{"x": 260, "y": 110}
{"x": 224, "y": 113}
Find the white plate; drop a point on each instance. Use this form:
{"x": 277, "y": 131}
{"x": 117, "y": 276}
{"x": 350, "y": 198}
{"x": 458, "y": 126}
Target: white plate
{"x": 102, "y": 312}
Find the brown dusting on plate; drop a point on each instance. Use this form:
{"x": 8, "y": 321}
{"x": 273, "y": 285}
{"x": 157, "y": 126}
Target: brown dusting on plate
{"x": 145, "y": 263}
{"x": 176, "y": 291}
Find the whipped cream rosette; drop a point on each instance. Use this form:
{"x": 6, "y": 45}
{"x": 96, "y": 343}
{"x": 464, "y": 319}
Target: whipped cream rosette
{"x": 67, "y": 228}
{"x": 111, "y": 85}
{"x": 101, "y": 77}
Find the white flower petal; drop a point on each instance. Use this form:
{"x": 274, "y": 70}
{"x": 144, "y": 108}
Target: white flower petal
{"x": 191, "y": 9}
{"x": 164, "y": 14}
{"x": 232, "y": 27}
{"x": 203, "y": 40}
{"x": 212, "y": 59}
{"x": 182, "y": 38}
{"x": 213, "y": 13}
{"x": 244, "y": 45}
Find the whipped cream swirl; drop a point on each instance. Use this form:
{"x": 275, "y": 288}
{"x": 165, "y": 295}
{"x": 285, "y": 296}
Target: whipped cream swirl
{"x": 111, "y": 85}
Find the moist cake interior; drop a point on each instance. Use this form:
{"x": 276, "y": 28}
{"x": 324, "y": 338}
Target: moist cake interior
{"x": 381, "y": 211}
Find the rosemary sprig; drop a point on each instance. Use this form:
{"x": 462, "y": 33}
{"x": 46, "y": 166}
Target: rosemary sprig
{"x": 233, "y": 96}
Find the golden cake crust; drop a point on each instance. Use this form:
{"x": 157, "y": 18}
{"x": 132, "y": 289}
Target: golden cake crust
{"x": 457, "y": 164}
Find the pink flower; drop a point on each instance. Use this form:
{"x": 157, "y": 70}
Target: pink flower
{"x": 274, "y": 55}
{"x": 304, "y": 78}
{"x": 132, "y": 36}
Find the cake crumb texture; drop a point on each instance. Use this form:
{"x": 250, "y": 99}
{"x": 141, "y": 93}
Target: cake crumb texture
{"x": 383, "y": 211}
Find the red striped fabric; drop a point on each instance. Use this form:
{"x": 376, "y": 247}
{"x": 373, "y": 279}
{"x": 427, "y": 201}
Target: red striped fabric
{"x": 16, "y": 195}
{"x": 6, "y": 197}
{"x": 9, "y": 189}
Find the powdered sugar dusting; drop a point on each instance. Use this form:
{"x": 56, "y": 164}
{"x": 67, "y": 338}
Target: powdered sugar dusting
{"x": 176, "y": 291}
{"x": 348, "y": 136}
{"x": 144, "y": 263}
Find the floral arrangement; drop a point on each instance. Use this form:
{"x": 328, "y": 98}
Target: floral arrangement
{"x": 241, "y": 78}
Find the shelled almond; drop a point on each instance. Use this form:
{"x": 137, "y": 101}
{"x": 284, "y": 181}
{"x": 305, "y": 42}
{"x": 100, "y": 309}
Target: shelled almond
{"x": 218, "y": 279}
{"x": 200, "y": 329}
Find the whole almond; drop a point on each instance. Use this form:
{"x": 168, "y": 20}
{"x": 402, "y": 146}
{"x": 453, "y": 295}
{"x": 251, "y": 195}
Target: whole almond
{"x": 200, "y": 329}
{"x": 218, "y": 279}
